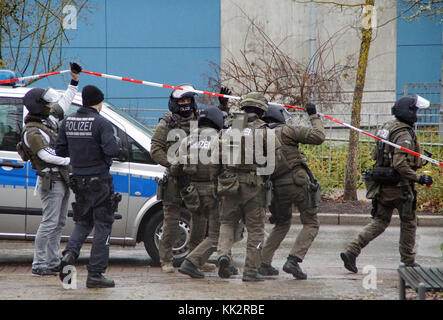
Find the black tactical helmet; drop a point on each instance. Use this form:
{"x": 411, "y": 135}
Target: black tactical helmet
{"x": 34, "y": 102}
{"x": 254, "y": 101}
{"x": 405, "y": 110}
{"x": 274, "y": 115}
{"x": 211, "y": 116}
{"x": 184, "y": 109}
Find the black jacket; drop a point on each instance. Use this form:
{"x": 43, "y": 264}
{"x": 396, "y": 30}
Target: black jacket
{"x": 88, "y": 139}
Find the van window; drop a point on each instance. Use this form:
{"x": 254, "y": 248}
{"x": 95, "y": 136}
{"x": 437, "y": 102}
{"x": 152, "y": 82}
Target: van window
{"x": 138, "y": 154}
{"x": 11, "y": 118}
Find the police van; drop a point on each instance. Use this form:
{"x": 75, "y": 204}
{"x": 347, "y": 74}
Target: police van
{"x": 134, "y": 178}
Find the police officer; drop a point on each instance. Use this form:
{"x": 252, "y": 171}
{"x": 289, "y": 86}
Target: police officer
{"x": 88, "y": 138}
{"x": 46, "y": 108}
{"x": 183, "y": 110}
{"x": 293, "y": 183}
{"x": 394, "y": 176}
{"x": 200, "y": 197}
{"x": 242, "y": 189}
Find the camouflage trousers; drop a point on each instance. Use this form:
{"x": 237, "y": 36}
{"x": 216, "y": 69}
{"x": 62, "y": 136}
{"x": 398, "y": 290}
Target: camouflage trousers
{"x": 391, "y": 198}
{"x": 171, "y": 231}
{"x": 207, "y": 210}
{"x": 247, "y": 204}
{"x": 284, "y": 196}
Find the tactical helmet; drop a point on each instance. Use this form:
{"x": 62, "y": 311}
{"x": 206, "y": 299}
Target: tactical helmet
{"x": 274, "y": 114}
{"x": 34, "y": 102}
{"x": 405, "y": 109}
{"x": 255, "y": 100}
{"x": 176, "y": 95}
{"x": 212, "y": 117}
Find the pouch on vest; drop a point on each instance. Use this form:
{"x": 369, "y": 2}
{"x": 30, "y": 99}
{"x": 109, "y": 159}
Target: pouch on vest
{"x": 191, "y": 198}
{"x": 385, "y": 175}
{"x": 372, "y": 187}
{"x": 23, "y": 151}
{"x": 227, "y": 184}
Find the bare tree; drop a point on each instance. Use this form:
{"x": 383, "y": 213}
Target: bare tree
{"x": 263, "y": 66}
{"x": 32, "y": 34}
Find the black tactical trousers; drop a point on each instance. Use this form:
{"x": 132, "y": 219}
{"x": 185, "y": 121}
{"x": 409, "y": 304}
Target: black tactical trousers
{"x": 92, "y": 210}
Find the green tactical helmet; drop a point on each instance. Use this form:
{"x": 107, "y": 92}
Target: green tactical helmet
{"x": 254, "y": 99}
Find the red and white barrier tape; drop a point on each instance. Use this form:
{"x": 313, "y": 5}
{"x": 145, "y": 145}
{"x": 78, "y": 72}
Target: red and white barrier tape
{"x": 159, "y": 85}
{"x": 154, "y": 84}
{"x": 43, "y": 75}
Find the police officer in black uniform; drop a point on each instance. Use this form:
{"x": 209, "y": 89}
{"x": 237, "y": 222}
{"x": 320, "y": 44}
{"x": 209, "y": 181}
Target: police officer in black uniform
{"x": 88, "y": 139}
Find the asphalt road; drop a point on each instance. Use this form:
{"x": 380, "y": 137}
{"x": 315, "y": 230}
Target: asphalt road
{"x": 327, "y": 279}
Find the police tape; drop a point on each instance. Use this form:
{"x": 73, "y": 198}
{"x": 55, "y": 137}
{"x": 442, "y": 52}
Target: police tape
{"x": 38, "y": 76}
{"x": 160, "y": 85}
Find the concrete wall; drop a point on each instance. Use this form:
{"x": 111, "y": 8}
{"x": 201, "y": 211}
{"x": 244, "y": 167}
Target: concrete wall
{"x": 289, "y": 21}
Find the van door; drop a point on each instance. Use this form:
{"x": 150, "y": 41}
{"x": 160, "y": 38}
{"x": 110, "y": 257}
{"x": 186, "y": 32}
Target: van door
{"x": 13, "y": 171}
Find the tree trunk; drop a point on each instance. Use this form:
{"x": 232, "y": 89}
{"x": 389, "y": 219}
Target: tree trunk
{"x": 350, "y": 192}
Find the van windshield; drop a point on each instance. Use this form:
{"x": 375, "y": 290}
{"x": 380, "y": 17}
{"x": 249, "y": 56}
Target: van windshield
{"x": 133, "y": 121}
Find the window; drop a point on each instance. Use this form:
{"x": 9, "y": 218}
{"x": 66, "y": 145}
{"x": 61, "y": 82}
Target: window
{"x": 138, "y": 154}
{"x": 11, "y": 123}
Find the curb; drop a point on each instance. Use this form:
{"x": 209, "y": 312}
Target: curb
{"x": 363, "y": 219}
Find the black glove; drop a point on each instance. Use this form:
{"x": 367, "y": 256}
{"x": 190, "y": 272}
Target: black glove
{"x": 224, "y": 101}
{"x": 75, "y": 67}
{"x": 425, "y": 179}
{"x": 310, "y": 108}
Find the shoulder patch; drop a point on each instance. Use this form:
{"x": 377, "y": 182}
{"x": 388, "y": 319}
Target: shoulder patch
{"x": 383, "y": 133}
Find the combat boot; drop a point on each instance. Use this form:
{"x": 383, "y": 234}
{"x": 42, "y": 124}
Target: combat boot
{"x": 291, "y": 266}
{"x": 97, "y": 280}
{"x": 67, "y": 260}
{"x": 267, "y": 270}
{"x": 252, "y": 276}
{"x": 188, "y": 268}
{"x": 349, "y": 260}
{"x": 224, "y": 270}
{"x": 233, "y": 270}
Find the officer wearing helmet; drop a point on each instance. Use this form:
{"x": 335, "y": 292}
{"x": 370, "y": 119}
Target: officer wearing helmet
{"x": 242, "y": 188}
{"x": 390, "y": 184}
{"x": 46, "y": 109}
{"x": 293, "y": 183}
{"x": 200, "y": 196}
{"x": 183, "y": 110}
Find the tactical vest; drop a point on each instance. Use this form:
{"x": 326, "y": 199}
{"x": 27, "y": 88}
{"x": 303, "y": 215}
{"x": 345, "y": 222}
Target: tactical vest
{"x": 291, "y": 155}
{"x": 384, "y": 153}
{"x": 201, "y": 172}
{"x": 174, "y": 121}
{"x": 245, "y": 150}
{"x": 33, "y": 128}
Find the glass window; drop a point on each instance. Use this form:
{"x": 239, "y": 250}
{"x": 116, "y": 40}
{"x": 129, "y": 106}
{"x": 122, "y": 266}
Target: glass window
{"x": 11, "y": 124}
{"x": 138, "y": 154}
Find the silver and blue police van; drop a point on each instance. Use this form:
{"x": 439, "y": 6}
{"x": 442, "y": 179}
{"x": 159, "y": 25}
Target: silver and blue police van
{"x": 134, "y": 178}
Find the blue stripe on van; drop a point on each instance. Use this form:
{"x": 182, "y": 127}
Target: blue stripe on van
{"x": 147, "y": 186}
{"x": 14, "y": 177}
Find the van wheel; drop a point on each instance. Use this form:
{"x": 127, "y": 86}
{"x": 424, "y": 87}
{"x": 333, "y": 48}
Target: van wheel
{"x": 154, "y": 230}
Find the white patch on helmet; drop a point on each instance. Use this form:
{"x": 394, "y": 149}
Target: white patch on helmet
{"x": 421, "y": 102}
{"x": 188, "y": 90}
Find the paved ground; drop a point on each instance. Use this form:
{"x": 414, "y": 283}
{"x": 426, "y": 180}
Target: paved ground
{"x": 327, "y": 279}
